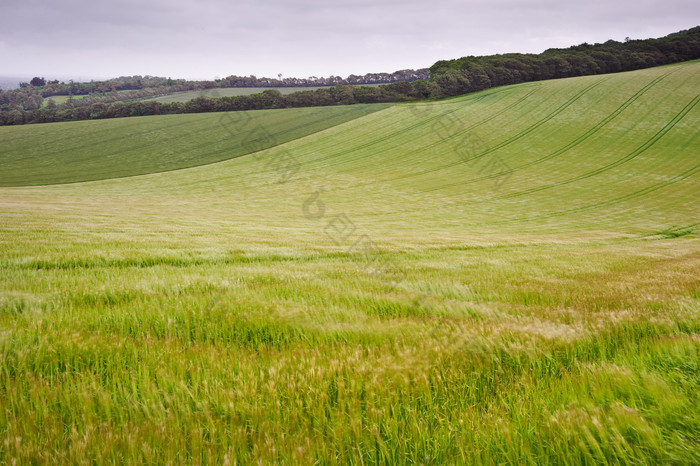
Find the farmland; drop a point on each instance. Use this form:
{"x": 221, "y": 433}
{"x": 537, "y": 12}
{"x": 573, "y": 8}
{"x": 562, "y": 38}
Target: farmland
{"x": 509, "y": 276}
{"x": 94, "y": 150}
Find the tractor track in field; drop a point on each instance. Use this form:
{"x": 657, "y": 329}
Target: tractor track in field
{"x": 438, "y": 143}
{"x": 642, "y": 192}
{"x": 175, "y": 140}
{"x": 580, "y": 139}
{"x": 410, "y": 128}
{"x": 548, "y": 118}
{"x": 646, "y": 145}
{"x": 508, "y": 141}
{"x": 639, "y": 150}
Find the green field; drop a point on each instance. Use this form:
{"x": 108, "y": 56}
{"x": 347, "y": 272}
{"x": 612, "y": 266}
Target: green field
{"x": 96, "y": 150}
{"x": 511, "y": 276}
{"x": 225, "y": 92}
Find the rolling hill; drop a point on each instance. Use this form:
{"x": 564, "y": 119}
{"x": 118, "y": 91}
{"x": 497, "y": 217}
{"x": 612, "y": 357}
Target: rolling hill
{"x": 505, "y": 276}
{"x": 95, "y": 150}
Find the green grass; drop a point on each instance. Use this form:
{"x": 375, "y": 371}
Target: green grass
{"x": 59, "y": 99}
{"x": 100, "y": 149}
{"x": 226, "y": 92}
{"x": 509, "y": 277}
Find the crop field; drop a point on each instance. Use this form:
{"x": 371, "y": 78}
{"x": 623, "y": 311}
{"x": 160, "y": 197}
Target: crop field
{"x": 226, "y": 92}
{"x": 510, "y": 276}
{"x": 94, "y": 150}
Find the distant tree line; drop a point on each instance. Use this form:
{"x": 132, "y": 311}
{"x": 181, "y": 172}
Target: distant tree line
{"x": 447, "y": 78}
{"x": 325, "y": 96}
{"x": 469, "y": 74}
{"x": 123, "y": 83}
{"x": 312, "y": 81}
{"x": 30, "y": 96}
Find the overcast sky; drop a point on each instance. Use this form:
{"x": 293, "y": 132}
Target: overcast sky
{"x": 215, "y": 38}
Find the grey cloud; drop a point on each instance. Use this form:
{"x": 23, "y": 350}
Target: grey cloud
{"x": 200, "y": 39}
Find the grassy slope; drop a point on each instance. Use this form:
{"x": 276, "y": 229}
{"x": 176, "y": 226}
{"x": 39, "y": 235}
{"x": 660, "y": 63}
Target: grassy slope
{"x": 94, "y": 150}
{"x": 544, "y": 309}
